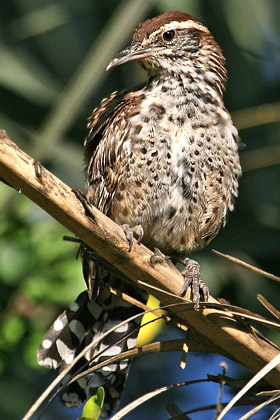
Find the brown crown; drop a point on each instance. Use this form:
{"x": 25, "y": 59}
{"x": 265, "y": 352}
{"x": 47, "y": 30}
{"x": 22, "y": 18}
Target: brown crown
{"x": 144, "y": 29}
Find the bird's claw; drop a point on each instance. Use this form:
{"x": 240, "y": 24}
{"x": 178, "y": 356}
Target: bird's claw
{"x": 193, "y": 279}
{"x": 158, "y": 257}
{"x": 130, "y": 232}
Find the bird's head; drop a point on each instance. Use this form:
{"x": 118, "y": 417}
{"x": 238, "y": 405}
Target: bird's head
{"x": 174, "y": 42}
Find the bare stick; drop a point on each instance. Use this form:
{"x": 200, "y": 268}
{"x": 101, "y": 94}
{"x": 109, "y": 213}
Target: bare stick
{"x": 246, "y": 265}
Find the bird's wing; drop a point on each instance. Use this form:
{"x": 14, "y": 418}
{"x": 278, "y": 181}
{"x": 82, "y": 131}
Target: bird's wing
{"x": 109, "y": 129}
{"x": 100, "y": 118}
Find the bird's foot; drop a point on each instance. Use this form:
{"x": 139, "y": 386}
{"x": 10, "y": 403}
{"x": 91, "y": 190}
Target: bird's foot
{"x": 158, "y": 257}
{"x": 193, "y": 279}
{"x": 130, "y": 232}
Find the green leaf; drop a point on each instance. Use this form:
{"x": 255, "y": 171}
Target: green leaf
{"x": 93, "y": 406}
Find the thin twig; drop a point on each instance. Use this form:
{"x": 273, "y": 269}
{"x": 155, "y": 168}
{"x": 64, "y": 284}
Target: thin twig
{"x": 243, "y": 402}
{"x": 221, "y": 388}
{"x": 268, "y": 306}
{"x": 153, "y": 394}
{"x": 275, "y": 415}
{"x": 246, "y": 265}
{"x": 259, "y": 407}
{"x": 175, "y": 412}
{"x": 140, "y": 305}
{"x": 274, "y": 362}
{"x": 158, "y": 347}
{"x": 150, "y": 286}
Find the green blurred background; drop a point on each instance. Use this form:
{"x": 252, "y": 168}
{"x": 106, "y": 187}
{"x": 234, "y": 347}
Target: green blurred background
{"x": 53, "y": 56}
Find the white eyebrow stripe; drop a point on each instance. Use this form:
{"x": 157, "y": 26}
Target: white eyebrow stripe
{"x": 184, "y": 25}
{"x": 190, "y": 24}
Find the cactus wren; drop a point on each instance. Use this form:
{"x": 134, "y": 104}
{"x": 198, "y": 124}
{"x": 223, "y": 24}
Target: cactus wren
{"x": 164, "y": 156}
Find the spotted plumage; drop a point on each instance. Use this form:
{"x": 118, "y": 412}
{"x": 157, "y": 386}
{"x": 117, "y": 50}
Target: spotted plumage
{"x": 168, "y": 155}
{"x": 163, "y": 155}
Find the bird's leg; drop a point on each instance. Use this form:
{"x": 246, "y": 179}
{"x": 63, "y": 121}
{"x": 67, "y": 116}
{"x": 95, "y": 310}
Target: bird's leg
{"x": 193, "y": 279}
{"x": 158, "y": 257}
{"x": 130, "y": 232}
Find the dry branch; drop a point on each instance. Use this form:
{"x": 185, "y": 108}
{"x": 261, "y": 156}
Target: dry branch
{"x": 248, "y": 266}
{"x": 219, "y": 328}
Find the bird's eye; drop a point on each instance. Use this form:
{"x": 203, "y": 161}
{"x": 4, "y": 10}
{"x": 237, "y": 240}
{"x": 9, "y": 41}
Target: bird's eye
{"x": 168, "y": 35}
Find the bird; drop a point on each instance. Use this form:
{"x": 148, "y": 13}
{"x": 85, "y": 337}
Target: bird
{"x": 162, "y": 161}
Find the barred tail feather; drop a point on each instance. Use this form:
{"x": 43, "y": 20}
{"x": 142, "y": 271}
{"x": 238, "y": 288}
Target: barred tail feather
{"x": 60, "y": 342}
{"x": 84, "y": 321}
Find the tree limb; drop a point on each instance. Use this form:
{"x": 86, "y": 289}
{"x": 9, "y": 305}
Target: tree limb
{"x": 231, "y": 336}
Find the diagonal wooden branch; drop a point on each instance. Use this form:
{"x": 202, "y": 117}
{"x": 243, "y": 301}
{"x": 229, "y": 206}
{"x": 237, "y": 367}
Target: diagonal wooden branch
{"x": 231, "y": 336}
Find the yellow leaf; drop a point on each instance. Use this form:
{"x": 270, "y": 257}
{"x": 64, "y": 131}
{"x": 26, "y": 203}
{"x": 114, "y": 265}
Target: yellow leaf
{"x": 150, "y": 331}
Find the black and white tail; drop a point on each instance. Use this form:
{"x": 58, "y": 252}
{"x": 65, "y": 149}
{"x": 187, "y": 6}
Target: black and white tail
{"x": 84, "y": 321}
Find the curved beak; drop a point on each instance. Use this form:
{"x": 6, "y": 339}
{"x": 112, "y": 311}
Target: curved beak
{"x": 133, "y": 52}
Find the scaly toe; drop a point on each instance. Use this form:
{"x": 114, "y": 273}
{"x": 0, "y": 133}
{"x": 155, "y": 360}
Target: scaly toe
{"x": 138, "y": 231}
{"x": 129, "y": 234}
{"x": 158, "y": 257}
{"x": 193, "y": 279}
